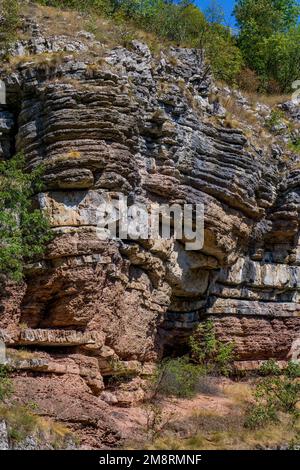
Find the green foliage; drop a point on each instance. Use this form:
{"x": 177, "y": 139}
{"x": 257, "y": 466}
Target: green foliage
{"x": 209, "y": 352}
{"x": 177, "y": 377}
{"x": 9, "y": 21}
{"x": 22, "y": 422}
{"x": 259, "y": 415}
{"x": 281, "y": 392}
{"x": 293, "y": 370}
{"x": 6, "y": 388}
{"x": 276, "y": 117}
{"x": 24, "y": 230}
{"x": 184, "y": 376}
{"x": 266, "y": 16}
{"x": 186, "y": 25}
{"x": 279, "y": 56}
{"x": 276, "y": 391}
{"x": 267, "y": 42}
{"x": 294, "y": 145}
{"x": 180, "y": 22}
{"x": 224, "y": 56}
{"x": 269, "y": 367}
{"x": 269, "y": 39}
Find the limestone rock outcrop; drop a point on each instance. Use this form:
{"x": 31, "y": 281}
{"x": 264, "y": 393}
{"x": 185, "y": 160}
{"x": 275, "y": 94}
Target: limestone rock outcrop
{"x": 144, "y": 126}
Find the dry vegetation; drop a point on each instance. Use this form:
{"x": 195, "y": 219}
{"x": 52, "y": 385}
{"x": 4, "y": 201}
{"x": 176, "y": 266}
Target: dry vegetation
{"x": 21, "y": 354}
{"x": 212, "y": 432}
{"x": 22, "y": 422}
{"x": 216, "y": 422}
{"x": 268, "y": 100}
{"x": 108, "y": 32}
{"x": 257, "y": 117}
{"x": 45, "y": 61}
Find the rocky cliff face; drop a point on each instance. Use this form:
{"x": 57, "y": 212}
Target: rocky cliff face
{"x": 143, "y": 126}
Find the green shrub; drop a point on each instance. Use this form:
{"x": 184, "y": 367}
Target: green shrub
{"x": 277, "y": 391}
{"x": 177, "y": 377}
{"x": 6, "y": 388}
{"x": 293, "y": 370}
{"x": 10, "y": 14}
{"x": 294, "y": 145}
{"x": 275, "y": 118}
{"x": 270, "y": 367}
{"x": 222, "y": 52}
{"x": 209, "y": 352}
{"x": 185, "y": 376}
{"x": 268, "y": 38}
{"x": 24, "y": 231}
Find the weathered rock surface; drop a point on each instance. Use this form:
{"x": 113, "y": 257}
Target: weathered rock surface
{"x": 142, "y": 126}
{"x": 58, "y": 338}
{"x": 4, "y": 444}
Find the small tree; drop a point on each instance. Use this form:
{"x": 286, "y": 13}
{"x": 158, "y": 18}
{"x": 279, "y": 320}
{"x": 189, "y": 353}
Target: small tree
{"x": 209, "y": 352}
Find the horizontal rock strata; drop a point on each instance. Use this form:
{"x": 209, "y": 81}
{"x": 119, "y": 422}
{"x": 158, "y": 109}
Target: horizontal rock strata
{"x": 143, "y": 126}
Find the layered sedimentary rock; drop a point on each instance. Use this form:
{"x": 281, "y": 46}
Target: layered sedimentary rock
{"x": 143, "y": 126}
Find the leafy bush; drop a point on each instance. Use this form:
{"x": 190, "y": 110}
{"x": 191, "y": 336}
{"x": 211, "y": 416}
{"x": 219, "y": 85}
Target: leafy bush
{"x": 9, "y": 21}
{"x": 260, "y": 415}
{"x": 181, "y": 22}
{"x": 209, "y": 352}
{"x": 222, "y": 52}
{"x": 276, "y": 391}
{"x": 275, "y": 119}
{"x": 269, "y": 367}
{"x": 269, "y": 38}
{"x": 24, "y": 231}
{"x": 280, "y": 59}
{"x": 293, "y": 370}
{"x": 6, "y": 387}
{"x": 248, "y": 80}
{"x": 177, "y": 377}
{"x": 185, "y": 376}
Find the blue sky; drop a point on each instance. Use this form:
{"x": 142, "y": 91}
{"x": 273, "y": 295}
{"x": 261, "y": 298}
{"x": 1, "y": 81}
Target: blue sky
{"x": 227, "y": 5}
